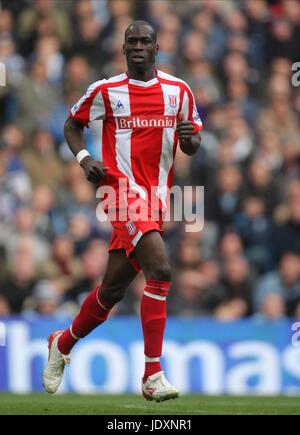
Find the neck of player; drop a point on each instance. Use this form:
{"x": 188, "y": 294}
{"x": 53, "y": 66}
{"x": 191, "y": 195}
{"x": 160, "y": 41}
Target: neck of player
{"x": 141, "y": 74}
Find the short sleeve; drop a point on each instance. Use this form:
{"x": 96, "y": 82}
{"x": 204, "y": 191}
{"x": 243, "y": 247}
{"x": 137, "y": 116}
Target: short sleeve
{"x": 190, "y": 111}
{"x": 90, "y": 107}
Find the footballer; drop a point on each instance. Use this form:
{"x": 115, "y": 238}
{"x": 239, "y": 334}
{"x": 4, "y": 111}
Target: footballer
{"x": 145, "y": 114}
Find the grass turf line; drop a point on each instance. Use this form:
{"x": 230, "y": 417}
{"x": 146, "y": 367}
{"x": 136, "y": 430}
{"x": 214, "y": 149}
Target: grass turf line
{"x": 73, "y": 404}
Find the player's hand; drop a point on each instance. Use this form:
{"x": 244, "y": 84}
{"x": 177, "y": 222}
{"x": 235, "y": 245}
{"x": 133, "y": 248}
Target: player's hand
{"x": 185, "y": 129}
{"x": 93, "y": 169}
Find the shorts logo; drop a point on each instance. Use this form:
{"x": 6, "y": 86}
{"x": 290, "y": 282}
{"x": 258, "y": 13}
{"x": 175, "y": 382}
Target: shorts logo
{"x": 131, "y": 228}
{"x": 173, "y": 100}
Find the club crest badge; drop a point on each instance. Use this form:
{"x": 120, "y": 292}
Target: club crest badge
{"x": 173, "y": 100}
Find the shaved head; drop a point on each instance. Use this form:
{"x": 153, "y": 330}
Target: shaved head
{"x": 138, "y": 24}
{"x": 140, "y": 48}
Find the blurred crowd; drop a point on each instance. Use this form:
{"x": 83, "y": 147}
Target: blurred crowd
{"x": 237, "y": 56}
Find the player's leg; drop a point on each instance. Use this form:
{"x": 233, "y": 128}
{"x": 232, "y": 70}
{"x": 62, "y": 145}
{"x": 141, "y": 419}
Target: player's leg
{"x": 152, "y": 257}
{"x": 94, "y": 311}
{"x": 96, "y": 307}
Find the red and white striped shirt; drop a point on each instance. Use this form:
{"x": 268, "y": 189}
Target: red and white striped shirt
{"x": 139, "y": 127}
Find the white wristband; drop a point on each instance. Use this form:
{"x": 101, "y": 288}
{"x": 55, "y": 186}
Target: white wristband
{"x": 81, "y": 155}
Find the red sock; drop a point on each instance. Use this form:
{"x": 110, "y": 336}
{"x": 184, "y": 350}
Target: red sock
{"x": 150, "y": 369}
{"x": 93, "y": 312}
{"x": 154, "y": 316}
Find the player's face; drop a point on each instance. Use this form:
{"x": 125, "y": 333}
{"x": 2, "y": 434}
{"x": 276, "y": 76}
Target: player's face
{"x": 140, "y": 48}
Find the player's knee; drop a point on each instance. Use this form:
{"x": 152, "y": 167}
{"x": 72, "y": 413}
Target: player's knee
{"x": 161, "y": 272}
{"x": 112, "y": 294}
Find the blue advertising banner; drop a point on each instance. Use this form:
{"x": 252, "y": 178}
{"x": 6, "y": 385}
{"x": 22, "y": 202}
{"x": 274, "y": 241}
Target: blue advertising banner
{"x": 200, "y": 356}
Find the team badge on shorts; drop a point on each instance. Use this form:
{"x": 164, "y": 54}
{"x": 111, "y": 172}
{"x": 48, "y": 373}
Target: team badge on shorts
{"x": 173, "y": 100}
{"x": 131, "y": 228}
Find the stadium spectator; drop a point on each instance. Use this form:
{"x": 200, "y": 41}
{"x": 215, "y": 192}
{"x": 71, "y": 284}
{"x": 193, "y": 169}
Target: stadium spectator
{"x": 261, "y": 184}
{"x": 231, "y": 310}
{"x": 47, "y": 301}
{"x": 48, "y": 49}
{"x": 63, "y": 266}
{"x": 255, "y": 230}
{"x": 44, "y": 18}
{"x": 22, "y": 231}
{"x": 285, "y": 237}
{"x": 93, "y": 262}
{"x": 41, "y": 160}
{"x": 193, "y": 296}
{"x": 269, "y": 150}
{"x": 238, "y": 281}
{"x": 224, "y": 202}
{"x": 87, "y": 41}
{"x": 4, "y": 306}
{"x": 272, "y": 308}
{"x": 285, "y": 282}
{"x": 230, "y": 245}
{"x": 42, "y": 205}
{"x": 19, "y": 282}
{"x": 35, "y": 88}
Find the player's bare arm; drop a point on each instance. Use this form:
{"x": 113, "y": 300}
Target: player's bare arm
{"x": 94, "y": 170}
{"x": 189, "y": 141}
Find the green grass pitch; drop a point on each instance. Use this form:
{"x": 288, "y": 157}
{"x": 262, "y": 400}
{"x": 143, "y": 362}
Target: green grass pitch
{"x": 71, "y": 404}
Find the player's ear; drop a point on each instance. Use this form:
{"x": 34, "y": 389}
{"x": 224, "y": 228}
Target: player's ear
{"x": 123, "y": 48}
{"x": 156, "y": 48}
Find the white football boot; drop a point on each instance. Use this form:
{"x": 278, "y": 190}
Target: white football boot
{"x": 158, "y": 388}
{"x": 54, "y": 370}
